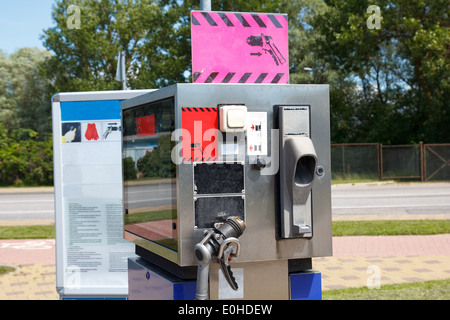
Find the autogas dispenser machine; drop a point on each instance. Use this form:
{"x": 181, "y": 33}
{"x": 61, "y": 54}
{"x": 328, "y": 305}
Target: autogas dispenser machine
{"x": 227, "y": 190}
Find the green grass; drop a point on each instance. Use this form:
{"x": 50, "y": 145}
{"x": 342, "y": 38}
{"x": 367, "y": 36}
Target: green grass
{"x": 340, "y": 228}
{"x": 390, "y": 227}
{"x": 133, "y": 218}
{"x": 6, "y": 269}
{"x": 426, "y": 290}
{"x": 27, "y": 232}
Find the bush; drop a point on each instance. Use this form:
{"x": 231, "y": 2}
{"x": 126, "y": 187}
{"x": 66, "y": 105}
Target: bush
{"x": 129, "y": 169}
{"x": 25, "y": 162}
{"x": 158, "y": 163}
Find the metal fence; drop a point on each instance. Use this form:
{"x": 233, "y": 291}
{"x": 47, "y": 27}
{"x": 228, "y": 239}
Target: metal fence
{"x": 401, "y": 162}
{"x": 436, "y": 161}
{"x": 355, "y": 161}
{"x": 425, "y": 162}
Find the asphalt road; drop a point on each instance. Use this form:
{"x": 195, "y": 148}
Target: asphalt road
{"x": 408, "y": 199}
{"x": 150, "y": 195}
{"x": 26, "y": 205}
{"x": 404, "y": 199}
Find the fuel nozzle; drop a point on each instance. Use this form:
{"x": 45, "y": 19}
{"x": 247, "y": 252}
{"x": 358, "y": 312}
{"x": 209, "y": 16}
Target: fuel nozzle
{"x": 220, "y": 243}
{"x": 232, "y": 227}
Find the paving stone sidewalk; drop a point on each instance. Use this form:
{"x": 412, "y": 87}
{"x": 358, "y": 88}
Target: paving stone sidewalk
{"x": 356, "y": 262}
{"x": 360, "y": 261}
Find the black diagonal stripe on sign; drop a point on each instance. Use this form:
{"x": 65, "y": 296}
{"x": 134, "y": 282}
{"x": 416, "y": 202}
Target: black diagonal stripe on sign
{"x": 285, "y": 16}
{"x": 242, "y": 20}
{"x": 274, "y": 21}
{"x": 196, "y": 75}
{"x": 209, "y": 19}
{"x": 194, "y": 21}
{"x": 226, "y": 19}
{"x": 261, "y": 77}
{"x": 245, "y": 77}
{"x": 259, "y": 21}
{"x": 211, "y": 77}
{"x": 228, "y": 77}
{"x": 277, "y": 78}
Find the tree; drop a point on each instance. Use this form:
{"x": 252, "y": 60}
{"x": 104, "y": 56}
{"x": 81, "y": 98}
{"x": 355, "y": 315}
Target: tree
{"x": 149, "y": 32}
{"x": 387, "y": 84}
{"x": 266, "y": 6}
{"x": 402, "y": 68}
{"x": 307, "y": 66}
{"x": 155, "y": 36}
{"x": 8, "y": 112}
{"x": 24, "y": 99}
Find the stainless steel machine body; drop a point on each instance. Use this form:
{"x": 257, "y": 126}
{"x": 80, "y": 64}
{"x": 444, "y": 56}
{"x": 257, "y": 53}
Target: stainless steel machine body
{"x": 196, "y": 154}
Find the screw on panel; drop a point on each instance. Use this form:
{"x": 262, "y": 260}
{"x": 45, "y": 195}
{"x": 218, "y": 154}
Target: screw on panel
{"x": 320, "y": 171}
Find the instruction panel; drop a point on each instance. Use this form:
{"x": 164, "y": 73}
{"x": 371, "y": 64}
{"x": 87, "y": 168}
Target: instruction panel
{"x": 95, "y": 254}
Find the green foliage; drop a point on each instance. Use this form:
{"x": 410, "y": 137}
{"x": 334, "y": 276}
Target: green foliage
{"x": 402, "y": 70}
{"x": 6, "y": 269}
{"x": 267, "y": 6}
{"x": 158, "y": 162}
{"x": 155, "y": 36}
{"x": 24, "y": 98}
{"x": 155, "y": 41}
{"x": 25, "y": 143}
{"x": 389, "y": 85}
{"x": 129, "y": 169}
{"x": 23, "y": 159}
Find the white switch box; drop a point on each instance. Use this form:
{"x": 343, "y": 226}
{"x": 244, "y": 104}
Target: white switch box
{"x": 233, "y": 118}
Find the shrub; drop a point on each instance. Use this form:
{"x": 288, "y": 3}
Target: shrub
{"x": 25, "y": 162}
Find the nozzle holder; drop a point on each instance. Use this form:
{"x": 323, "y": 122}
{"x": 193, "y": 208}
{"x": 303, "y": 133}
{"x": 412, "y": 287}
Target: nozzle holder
{"x": 301, "y": 165}
{"x": 298, "y": 170}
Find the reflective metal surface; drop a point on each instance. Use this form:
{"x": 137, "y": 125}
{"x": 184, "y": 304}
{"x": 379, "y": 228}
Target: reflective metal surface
{"x": 261, "y": 193}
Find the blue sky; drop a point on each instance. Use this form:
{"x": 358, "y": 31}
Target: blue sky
{"x": 22, "y": 23}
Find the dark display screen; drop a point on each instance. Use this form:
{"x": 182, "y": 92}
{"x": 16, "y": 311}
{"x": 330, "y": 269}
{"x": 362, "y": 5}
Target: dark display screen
{"x": 149, "y": 174}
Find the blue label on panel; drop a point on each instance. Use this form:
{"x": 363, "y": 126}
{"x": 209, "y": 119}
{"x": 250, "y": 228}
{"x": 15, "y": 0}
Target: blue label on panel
{"x": 90, "y": 110}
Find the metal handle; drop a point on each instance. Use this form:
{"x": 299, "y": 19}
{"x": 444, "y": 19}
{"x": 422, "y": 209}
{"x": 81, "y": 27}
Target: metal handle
{"x": 227, "y": 242}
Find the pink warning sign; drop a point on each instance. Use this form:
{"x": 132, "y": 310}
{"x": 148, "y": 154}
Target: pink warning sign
{"x": 232, "y": 47}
